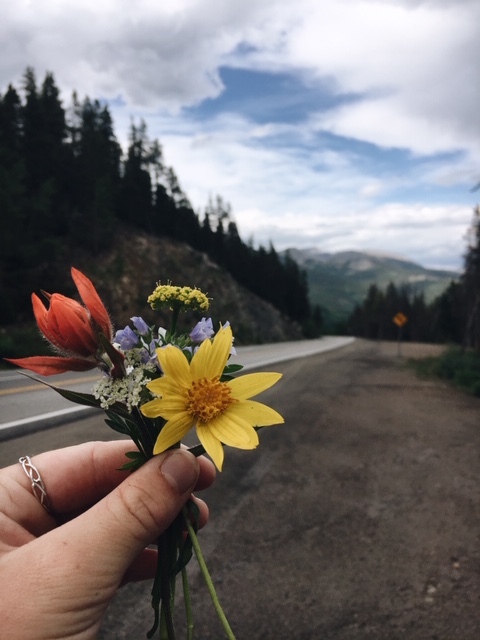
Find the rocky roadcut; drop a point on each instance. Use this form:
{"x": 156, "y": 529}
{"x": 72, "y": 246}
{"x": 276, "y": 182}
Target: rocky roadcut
{"x": 360, "y": 519}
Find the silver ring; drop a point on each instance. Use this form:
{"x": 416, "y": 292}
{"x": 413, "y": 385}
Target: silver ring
{"x": 38, "y": 488}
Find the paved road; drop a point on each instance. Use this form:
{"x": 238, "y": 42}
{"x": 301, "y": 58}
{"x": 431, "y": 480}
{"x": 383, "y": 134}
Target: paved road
{"x": 27, "y": 405}
{"x": 357, "y": 519}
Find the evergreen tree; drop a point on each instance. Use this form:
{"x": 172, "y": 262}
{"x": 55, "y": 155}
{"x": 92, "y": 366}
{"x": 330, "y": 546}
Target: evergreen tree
{"x": 12, "y": 205}
{"x": 448, "y": 315}
{"x": 471, "y": 284}
{"x": 136, "y": 193}
{"x": 96, "y": 179}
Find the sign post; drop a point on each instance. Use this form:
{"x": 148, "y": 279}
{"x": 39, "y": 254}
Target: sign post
{"x": 400, "y": 319}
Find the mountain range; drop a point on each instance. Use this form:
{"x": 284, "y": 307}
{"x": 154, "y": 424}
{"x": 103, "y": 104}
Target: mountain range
{"x": 339, "y": 281}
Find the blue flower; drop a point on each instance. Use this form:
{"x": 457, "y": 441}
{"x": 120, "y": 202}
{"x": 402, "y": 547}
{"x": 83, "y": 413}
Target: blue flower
{"x": 126, "y": 338}
{"x": 202, "y": 330}
{"x": 140, "y": 325}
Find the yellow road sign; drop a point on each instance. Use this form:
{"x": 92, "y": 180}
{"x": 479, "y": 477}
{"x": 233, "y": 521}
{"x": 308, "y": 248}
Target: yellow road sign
{"x": 400, "y": 319}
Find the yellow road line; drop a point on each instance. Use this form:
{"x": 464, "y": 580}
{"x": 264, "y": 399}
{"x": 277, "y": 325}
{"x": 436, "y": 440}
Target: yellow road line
{"x": 38, "y": 387}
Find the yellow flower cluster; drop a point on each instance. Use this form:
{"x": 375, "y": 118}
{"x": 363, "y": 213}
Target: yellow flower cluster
{"x": 178, "y": 298}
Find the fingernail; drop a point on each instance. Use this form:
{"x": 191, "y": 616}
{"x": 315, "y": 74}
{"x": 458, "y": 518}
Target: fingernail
{"x": 180, "y": 470}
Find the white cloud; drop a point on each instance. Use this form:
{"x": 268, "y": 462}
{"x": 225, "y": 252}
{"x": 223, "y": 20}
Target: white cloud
{"x": 428, "y": 235}
{"x": 415, "y": 63}
{"x": 280, "y": 196}
{"x": 411, "y": 65}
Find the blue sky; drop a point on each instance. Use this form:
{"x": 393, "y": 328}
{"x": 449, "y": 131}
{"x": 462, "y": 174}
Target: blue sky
{"x": 333, "y": 124}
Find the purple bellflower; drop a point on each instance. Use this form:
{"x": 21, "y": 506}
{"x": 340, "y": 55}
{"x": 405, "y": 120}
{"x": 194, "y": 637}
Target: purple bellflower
{"x": 126, "y": 338}
{"x": 202, "y": 330}
{"x": 140, "y": 325}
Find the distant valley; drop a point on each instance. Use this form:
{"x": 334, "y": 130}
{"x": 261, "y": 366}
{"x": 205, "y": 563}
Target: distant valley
{"x": 338, "y": 281}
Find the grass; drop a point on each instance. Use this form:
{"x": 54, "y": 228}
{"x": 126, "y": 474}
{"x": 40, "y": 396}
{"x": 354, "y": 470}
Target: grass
{"x": 459, "y": 367}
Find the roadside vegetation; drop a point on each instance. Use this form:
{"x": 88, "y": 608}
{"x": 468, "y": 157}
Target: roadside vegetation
{"x": 459, "y": 367}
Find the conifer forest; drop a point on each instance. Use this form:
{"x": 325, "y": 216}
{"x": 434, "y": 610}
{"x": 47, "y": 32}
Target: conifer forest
{"x": 66, "y": 183}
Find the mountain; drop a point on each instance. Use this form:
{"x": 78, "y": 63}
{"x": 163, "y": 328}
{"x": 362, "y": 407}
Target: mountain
{"x": 338, "y": 281}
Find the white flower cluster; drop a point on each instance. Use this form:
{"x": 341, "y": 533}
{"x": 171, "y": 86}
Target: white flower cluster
{"x": 126, "y": 390}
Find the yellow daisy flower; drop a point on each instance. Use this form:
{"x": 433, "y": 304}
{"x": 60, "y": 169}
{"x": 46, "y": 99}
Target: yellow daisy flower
{"x": 192, "y": 394}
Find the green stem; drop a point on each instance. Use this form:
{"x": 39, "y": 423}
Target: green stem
{"x": 188, "y": 604}
{"x": 173, "y": 324}
{"x": 165, "y": 582}
{"x": 206, "y": 576}
{"x": 197, "y": 450}
{"x": 162, "y": 592}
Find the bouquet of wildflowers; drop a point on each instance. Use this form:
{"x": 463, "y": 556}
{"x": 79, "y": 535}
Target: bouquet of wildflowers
{"x": 158, "y": 385}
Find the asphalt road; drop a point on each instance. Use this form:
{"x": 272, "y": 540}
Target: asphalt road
{"x": 357, "y": 519}
{"x": 28, "y": 405}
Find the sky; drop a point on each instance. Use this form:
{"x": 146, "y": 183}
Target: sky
{"x": 327, "y": 124}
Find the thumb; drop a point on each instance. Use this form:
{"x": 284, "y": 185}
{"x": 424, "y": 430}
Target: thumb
{"x": 113, "y": 533}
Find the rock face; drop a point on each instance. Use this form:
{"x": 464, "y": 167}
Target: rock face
{"x": 126, "y": 275}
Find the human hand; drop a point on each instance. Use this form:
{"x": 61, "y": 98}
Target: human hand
{"x": 58, "y": 572}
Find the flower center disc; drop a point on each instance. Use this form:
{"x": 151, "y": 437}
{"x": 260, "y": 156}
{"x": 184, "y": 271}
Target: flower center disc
{"x": 208, "y": 398}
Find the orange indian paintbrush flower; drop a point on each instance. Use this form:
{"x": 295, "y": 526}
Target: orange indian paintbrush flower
{"x": 79, "y": 333}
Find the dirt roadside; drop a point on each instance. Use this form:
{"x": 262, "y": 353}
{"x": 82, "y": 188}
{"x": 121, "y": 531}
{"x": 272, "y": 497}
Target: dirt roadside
{"x": 361, "y": 519}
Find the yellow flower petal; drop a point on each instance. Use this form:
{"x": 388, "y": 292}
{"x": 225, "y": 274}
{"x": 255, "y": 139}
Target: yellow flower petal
{"x": 252, "y": 384}
{"x": 255, "y": 413}
{"x": 211, "y": 358}
{"x": 150, "y": 409}
{"x": 175, "y": 364}
{"x": 234, "y": 432}
{"x": 198, "y": 364}
{"x": 168, "y": 407}
{"x": 212, "y": 445}
{"x": 163, "y": 386}
{"x": 173, "y": 432}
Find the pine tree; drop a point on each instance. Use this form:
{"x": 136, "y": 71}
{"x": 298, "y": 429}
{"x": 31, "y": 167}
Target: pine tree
{"x": 136, "y": 193}
{"x": 96, "y": 179}
{"x": 471, "y": 284}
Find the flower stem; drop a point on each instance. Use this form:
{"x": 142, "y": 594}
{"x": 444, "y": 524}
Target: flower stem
{"x": 162, "y": 591}
{"x": 188, "y": 604}
{"x": 206, "y": 575}
{"x": 173, "y": 323}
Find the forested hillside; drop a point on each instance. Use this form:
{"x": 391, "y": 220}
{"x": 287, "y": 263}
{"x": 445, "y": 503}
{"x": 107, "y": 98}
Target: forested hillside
{"x": 340, "y": 281}
{"x": 453, "y": 317}
{"x": 67, "y": 189}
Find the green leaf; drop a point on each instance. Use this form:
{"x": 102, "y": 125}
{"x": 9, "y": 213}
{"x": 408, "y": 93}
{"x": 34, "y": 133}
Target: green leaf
{"x": 122, "y": 422}
{"x": 86, "y": 399}
{"x": 229, "y": 369}
{"x": 119, "y": 427}
{"x": 137, "y": 459}
{"x": 233, "y": 368}
{"x": 134, "y": 455}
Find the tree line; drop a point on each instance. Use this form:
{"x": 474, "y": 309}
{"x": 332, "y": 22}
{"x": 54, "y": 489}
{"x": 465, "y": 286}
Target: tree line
{"x": 453, "y": 317}
{"x": 66, "y": 182}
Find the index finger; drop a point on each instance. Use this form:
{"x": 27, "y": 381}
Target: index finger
{"x": 76, "y": 477}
